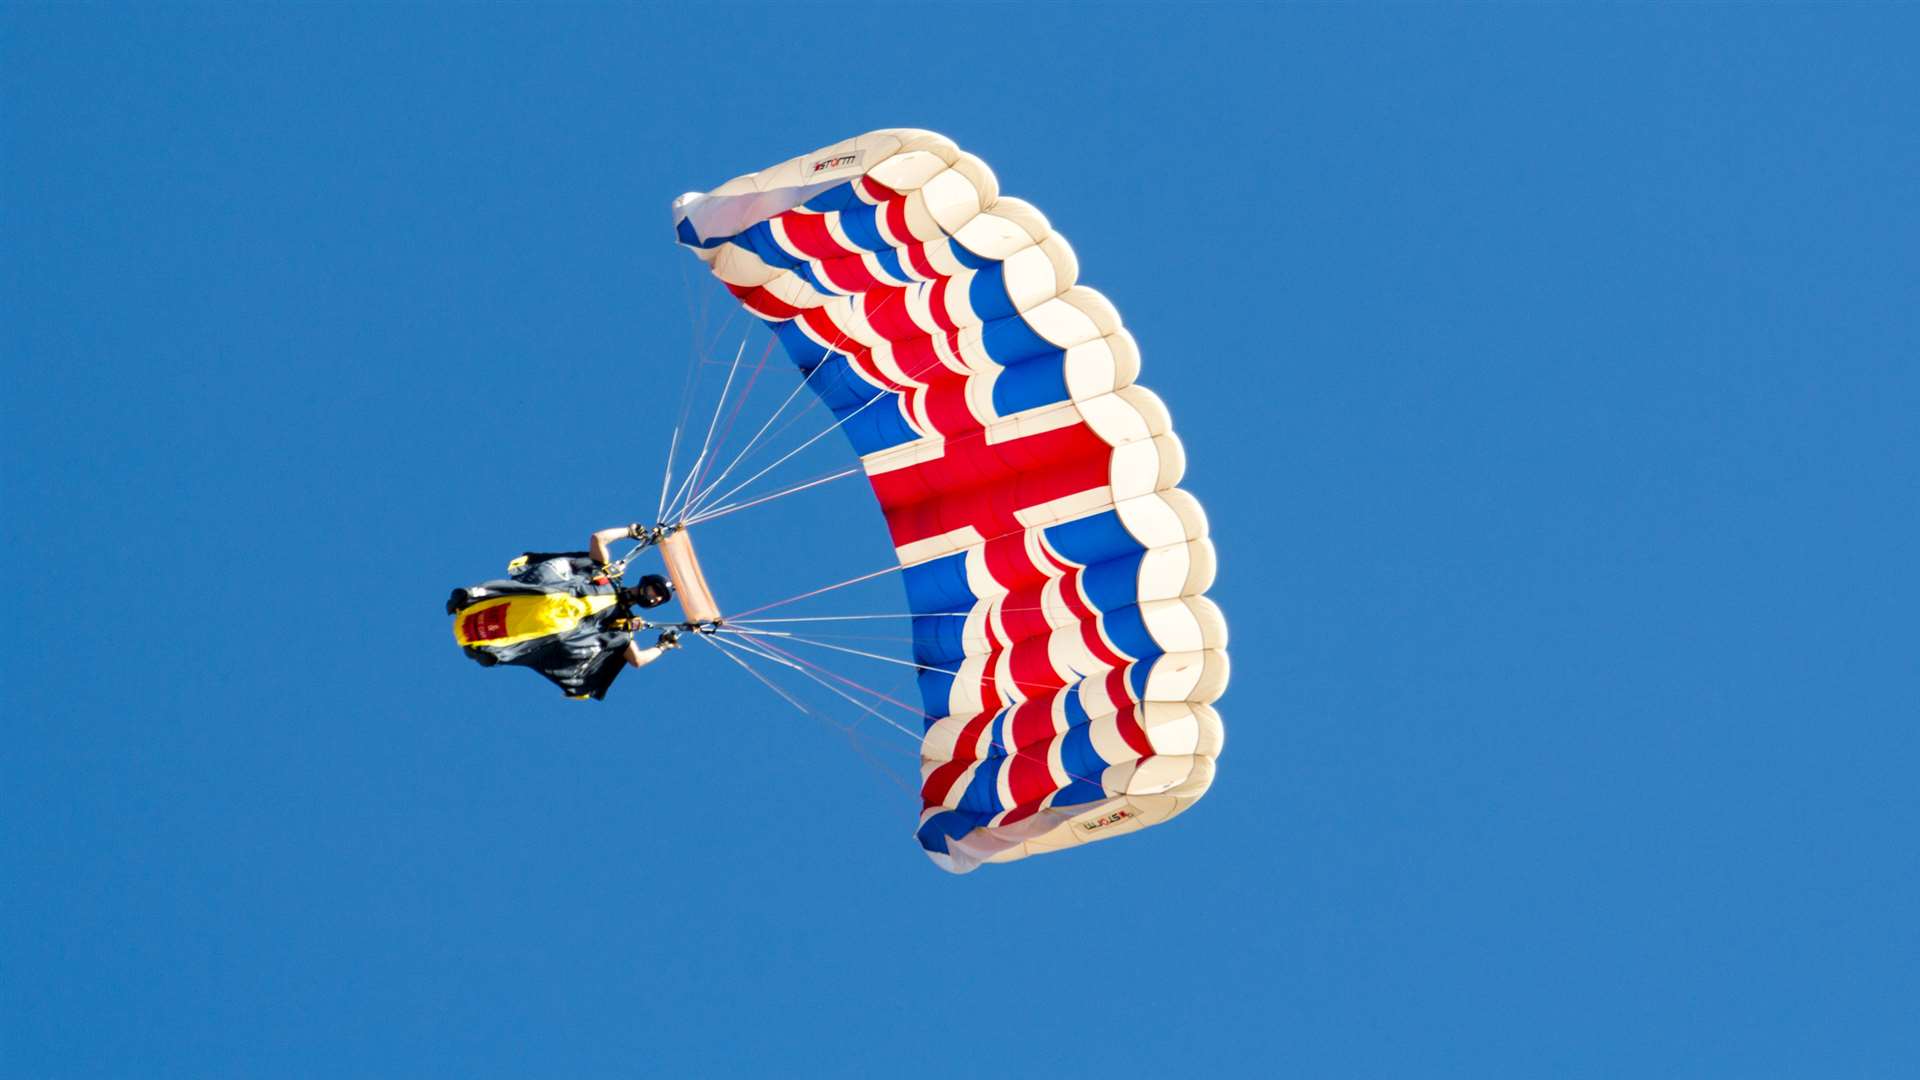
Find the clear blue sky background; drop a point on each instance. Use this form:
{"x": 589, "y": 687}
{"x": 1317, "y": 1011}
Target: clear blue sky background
{"x": 1549, "y": 375}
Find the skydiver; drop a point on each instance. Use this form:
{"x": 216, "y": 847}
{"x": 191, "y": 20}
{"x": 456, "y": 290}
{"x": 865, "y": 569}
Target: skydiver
{"x": 565, "y": 615}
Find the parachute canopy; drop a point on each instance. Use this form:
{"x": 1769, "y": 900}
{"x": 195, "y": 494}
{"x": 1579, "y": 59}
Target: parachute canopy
{"x": 1054, "y": 570}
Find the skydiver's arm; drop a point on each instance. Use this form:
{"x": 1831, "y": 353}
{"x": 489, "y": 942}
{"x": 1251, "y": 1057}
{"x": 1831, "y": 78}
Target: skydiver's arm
{"x": 597, "y": 547}
{"x": 640, "y": 657}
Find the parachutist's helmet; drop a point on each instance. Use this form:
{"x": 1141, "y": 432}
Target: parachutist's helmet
{"x": 652, "y": 591}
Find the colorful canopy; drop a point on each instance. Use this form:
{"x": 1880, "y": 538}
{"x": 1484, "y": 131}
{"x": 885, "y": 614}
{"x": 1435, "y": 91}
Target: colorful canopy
{"x": 1028, "y": 482}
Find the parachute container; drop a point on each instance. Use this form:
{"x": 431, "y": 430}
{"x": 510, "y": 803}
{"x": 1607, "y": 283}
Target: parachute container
{"x": 1055, "y": 571}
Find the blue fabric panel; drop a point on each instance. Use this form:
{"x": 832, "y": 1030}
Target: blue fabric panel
{"x": 983, "y": 791}
{"x": 686, "y": 234}
{"x": 875, "y": 427}
{"x": 805, "y": 271}
{"x": 1071, "y": 708}
{"x": 996, "y": 750}
{"x": 968, "y": 258}
{"x": 868, "y": 427}
{"x": 805, "y": 352}
{"x": 1113, "y": 584}
{"x": 938, "y": 639}
{"x": 1121, "y": 623}
{"x": 1128, "y": 632}
{"x": 759, "y": 240}
{"x": 1079, "y": 792}
{"x": 889, "y": 261}
{"x": 1030, "y": 384}
{"x": 945, "y": 826}
{"x": 839, "y": 387}
{"x": 1137, "y": 677}
{"x": 988, "y": 294}
{"x": 1078, "y": 756}
{"x": 834, "y": 198}
{"x": 879, "y": 428}
{"x": 1009, "y": 341}
{"x": 860, "y": 221}
{"x": 936, "y": 691}
{"x": 939, "y": 585}
{"x": 1093, "y": 539}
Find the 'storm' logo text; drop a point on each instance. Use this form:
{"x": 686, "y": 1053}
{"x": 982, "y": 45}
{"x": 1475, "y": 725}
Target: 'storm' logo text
{"x": 1105, "y": 820}
{"x": 833, "y": 163}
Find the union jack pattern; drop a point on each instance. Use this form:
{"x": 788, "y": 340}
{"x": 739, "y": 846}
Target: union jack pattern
{"x": 1029, "y": 485}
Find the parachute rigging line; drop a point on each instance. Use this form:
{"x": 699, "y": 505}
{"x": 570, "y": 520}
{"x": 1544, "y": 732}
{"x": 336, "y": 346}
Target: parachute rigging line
{"x": 843, "y": 695}
{"x": 991, "y": 741}
{"x": 755, "y": 441}
{"x": 854, "y": 618}
{"x": 851, "y": 732}
{"x": 897, "y": 638}
{"x": 686, "y": 387}
{"x": 1016, "y": 530}
{"x": 768, "y": 683}
{"x": 711, "y": 424}
{"x": 916, "y": 711}
{"x": 733, "y": 415}
{"x": 839, "y": 340}
{"x": 855, "y": 702}
{"x": 725, "y": 325}
{"x": 790, "y": 636}
{"x": 878, "y": 394}
{"x": 896, "y": 568}
{"x": 837, "y": 424}
{"x": 694, "y": 469}
{"x": 730, "y": 508}
{"x": 667, "y": 478}
{"x": 786, "y": 659}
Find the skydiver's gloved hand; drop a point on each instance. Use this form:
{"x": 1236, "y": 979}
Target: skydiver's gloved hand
{"x": 637, "y": 531}
{"x": 640, "y": 657}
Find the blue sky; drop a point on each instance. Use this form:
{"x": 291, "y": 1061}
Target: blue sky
{"x": 1549, "y": 375}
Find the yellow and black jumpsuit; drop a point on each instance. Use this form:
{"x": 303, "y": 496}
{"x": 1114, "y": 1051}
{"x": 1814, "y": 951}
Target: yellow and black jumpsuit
{"x": 555, "y": 613}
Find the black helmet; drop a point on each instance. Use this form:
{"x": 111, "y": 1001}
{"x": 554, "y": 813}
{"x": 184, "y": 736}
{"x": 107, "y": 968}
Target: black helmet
{"x": 652, "y": 591}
